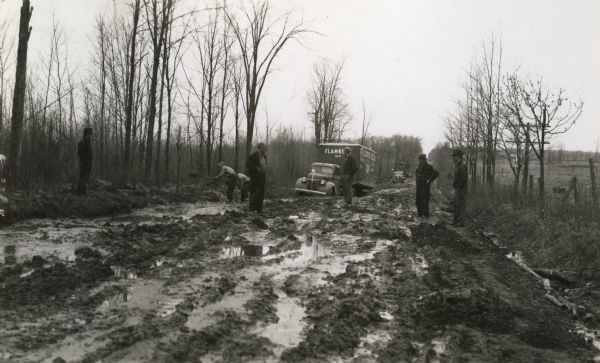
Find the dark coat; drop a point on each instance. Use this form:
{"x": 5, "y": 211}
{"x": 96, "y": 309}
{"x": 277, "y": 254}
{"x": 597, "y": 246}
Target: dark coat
{"x": 426, "y": 173}
{"x": 461, "y": 176}
{"x": 84, "y": 151}
{"x": 253, "y": 168}
{"x": 349, "y": 167}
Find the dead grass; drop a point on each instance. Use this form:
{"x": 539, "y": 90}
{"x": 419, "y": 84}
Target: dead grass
{"x": 561, "y": 240}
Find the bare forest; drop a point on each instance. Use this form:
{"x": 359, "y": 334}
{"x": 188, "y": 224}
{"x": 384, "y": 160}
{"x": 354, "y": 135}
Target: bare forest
{"x": 170, "y": 90}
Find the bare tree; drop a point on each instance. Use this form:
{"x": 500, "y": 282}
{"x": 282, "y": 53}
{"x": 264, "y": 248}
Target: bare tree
{"x": 172, "y": 59}
{"x": 512, "y": 137}
{"x": 328, "y": 109}
{"x": 210, "y": 53}
{"x": 6, "y": 48}
{"x": 550, "y": 112}
{"x": 227, "y": 43}
{"x": 19, "y": 95}
{"x": 130, "y": 83}
{"x": 486, "y": 92}
{"x": 365, "y": 124}
{"x": 237, "y": 80}
{"x": 259, "y": 42}
{"x": 157, "y": 19}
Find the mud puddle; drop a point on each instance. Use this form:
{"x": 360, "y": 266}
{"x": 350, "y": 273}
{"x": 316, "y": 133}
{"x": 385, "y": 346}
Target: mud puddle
{"x": 185, "y": 211}
{"x": 287, "y": 331}
{"x": 51, "y": 240}
{"x": 293, "y": 274}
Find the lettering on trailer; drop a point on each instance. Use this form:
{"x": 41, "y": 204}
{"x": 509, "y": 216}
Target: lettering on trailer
{"x": 335, "y": 152}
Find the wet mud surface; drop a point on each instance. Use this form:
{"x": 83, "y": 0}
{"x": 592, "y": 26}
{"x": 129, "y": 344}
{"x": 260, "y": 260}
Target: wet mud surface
{"x": 310, "y": 281}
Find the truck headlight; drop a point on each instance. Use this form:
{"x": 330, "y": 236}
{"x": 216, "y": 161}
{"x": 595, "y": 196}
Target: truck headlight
{"x": 303, "y": 180}
{"x": 322, "y": 181}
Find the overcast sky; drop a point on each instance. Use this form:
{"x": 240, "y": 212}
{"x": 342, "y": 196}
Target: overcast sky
{"x": 406, "y": 59}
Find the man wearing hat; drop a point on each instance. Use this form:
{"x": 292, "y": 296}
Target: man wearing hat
{"x": 424, "y": 175}
{"x": 84, "y": 151}
{"x": 256, "y": 166}
{"x": 231, "y": 175}
{"x": 461, "y": 179}
{"x": 349, "y": 169}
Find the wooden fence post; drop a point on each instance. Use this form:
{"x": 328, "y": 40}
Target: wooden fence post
{"x": 593, "y": 179}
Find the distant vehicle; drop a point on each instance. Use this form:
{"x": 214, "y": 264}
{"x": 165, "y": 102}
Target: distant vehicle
{"x": 324, "y": 177}
{"x": 398, "y": 176}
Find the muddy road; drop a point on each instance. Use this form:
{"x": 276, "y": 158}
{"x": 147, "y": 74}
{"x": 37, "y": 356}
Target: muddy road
{"x": 310, "y": 281}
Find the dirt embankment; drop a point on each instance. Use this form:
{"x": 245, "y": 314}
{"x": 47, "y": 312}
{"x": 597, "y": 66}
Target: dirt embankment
{"x": 98, "y": 202}
{"x": 309, "y": 281}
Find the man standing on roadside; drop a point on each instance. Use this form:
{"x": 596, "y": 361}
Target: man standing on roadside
{"x": 231, "y": 175}
{"x": 349, "y": 169}
{"x": 461, "y": 179}
{"x": 424, "y": 175}
{"x": 84, "y": 151}
{"x": 256, "y": 166}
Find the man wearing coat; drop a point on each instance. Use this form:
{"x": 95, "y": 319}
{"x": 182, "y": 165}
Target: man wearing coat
{"x": 349, "y": 169}
{"x": 256, "y": 167}
{"x": 461, "y": 179}
{"x": 84, "y": 152}
{"x": 424, "y": 175}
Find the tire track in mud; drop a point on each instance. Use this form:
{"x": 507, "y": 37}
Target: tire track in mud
{"x": 311, "y": 282}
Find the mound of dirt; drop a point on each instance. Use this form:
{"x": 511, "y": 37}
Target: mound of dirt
{"x": 50, "y": 285}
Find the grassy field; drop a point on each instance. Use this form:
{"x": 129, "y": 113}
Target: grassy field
{"x": 556, "y": 174}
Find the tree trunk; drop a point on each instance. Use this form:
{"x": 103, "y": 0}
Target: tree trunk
{"x": 168, "y": 136}
{"x": 159, "y": 132}
{"x": 223, "y": 94}
{"x": 129, "y": 101}
{"x": 542, "y": 189}
{"x": 151, "y": 116}
{"x": 526, "y": 161}
{"x": 236, "y": 144}
{"x": 19, "y": 96}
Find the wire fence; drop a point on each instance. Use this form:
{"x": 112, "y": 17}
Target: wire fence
{"x": 569, "y": 199}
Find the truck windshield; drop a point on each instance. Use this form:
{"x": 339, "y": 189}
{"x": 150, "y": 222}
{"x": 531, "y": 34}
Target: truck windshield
{"x": 322, "y": 169}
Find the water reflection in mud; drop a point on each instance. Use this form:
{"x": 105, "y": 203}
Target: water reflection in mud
{"x": 418, "y": 264}
{"x": 10, "y": 255}
{"x": 246, "y": 250}
{"x": 287, "y": 331}
{"x": 122, "y": 273}
{"x": 116, "y": 299}
{"x": 168, "y": 307}
{"x": 590, "y": 335}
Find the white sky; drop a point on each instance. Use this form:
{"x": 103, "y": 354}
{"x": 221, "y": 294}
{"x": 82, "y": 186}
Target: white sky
{"x": 406, "y": 58}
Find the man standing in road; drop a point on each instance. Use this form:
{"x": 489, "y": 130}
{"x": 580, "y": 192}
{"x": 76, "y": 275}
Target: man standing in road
{"x": 256, "y": 166}
{"x": 424, "y": 175}
{"x": 231, "y": 175}
{"x": 349, "y": 169}
{"x": 461, "y": 179}
{"x": 84, "y": 151}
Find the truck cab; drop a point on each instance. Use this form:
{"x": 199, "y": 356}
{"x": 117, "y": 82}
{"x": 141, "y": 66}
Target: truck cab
{"x": 323, "y": 179}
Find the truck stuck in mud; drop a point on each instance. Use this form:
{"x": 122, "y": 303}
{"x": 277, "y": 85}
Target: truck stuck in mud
{"x": 324, "y": 177}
